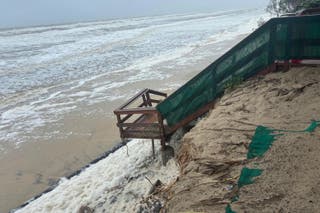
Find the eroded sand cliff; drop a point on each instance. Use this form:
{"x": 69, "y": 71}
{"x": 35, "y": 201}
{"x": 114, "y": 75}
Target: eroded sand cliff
{"x": 214, "y": 152}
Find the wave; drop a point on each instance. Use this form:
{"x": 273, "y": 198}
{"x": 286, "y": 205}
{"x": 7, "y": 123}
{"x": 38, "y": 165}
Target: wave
{"x": 120, "y": 24}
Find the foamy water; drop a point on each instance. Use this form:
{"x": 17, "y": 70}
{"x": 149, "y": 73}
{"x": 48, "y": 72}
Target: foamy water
{"x": 108, "y": 186}
{"x": 46, "y": 72}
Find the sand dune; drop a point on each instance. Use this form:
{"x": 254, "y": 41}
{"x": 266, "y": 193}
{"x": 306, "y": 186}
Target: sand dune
{"x": 214, "y": 152}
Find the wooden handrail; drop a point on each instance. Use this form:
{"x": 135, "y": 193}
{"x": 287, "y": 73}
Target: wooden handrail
{"x": 125, "y": 118}
{"x": 157, "y": 93}
{"x": 143, "y": 92}
{"x": 133, "y": 99}
{"x": 139, "y": 110}
{"x": 155, "y": 125}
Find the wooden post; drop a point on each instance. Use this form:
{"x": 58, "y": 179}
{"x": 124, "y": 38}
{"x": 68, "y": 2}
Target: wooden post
{"x": 153, "y": 151}
{"x": 286, "y": 65}
{"x": 119, "y": 124}
{"x": 161, "y": 130}
{"x": 148, "y": 99}
{"x": 144, "y": 100}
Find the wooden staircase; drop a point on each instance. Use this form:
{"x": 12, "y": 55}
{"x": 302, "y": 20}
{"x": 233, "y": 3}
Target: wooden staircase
{"x": 138, "y": 117}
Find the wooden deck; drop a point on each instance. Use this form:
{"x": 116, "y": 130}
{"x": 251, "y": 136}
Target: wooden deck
{"x": 138, "y": 118}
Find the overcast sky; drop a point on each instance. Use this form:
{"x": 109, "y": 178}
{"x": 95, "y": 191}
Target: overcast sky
{"x": 16, "y": 13}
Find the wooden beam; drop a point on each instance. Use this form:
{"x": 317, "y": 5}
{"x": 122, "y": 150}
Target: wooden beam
{"x": 162, "y": 130}
{"x": 157, "y": 93}
{"x": 191, "y": 117}
{"x": 138, "y": 110}
{"x": 155, "y": 101}
{"x": 144, "y": 135}
{"x": 152, "y": 125}
{"x": 148, "y": 99}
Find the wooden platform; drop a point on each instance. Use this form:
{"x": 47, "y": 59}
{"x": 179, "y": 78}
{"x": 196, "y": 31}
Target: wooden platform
{"x": 138, "y": 118}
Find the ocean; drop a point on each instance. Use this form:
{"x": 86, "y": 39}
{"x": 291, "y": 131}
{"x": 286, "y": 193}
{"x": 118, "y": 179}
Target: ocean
{"x": 51, "y": 76}
{"x": 46, "y": 72}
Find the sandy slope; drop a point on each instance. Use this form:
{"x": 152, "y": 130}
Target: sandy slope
{"x": 213, "y": 153}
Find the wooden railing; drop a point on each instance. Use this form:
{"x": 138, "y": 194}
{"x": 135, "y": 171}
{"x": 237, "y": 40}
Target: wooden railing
{"x": 138, "y": 117}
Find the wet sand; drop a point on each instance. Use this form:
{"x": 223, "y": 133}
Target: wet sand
{"x": 35, "y": 166}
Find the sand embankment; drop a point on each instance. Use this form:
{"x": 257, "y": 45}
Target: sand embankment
{"x": 214, "y": 152}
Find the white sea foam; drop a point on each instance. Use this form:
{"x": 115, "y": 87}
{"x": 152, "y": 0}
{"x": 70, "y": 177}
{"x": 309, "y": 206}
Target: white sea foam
{"x": 114, "y": 184}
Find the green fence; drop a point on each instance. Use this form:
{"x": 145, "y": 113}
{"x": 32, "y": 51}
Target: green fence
{"x": 278, "y": 39}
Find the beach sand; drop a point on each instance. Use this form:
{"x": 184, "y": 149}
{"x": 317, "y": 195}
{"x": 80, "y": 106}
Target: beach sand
{"x": 215, "y": 150}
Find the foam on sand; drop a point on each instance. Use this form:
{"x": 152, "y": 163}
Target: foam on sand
{"x": 116, "y": 183}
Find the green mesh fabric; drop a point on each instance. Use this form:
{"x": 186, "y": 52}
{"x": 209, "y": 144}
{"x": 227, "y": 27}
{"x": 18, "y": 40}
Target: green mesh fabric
{"x": 311, "y": 128}
{"x": 247, "y": 176}
{"x": 229, "y": 210}
{"x": 264, "y": 137}
{"x": 278, "y": 39}
{"x": 261, "y": 142}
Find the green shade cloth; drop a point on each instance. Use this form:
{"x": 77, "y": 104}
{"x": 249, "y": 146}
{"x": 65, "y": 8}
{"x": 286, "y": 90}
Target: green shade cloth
{"x": 279, "y": 39}
{"x": 228, "y": 209}
{"x": 261, "y": 142}
{"x": 247, "y": 176}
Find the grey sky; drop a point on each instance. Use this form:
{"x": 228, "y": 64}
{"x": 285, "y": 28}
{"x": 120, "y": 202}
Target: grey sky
{"x": 39, "y": 12}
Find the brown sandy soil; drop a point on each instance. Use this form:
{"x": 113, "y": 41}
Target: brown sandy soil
{"x": 214, "y": 152}
{"x": 290, "y": 179}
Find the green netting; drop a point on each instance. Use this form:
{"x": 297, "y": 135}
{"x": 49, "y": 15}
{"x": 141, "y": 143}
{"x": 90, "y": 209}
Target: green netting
{"x": 229, "y": 210}
{"x": 261, "y": 142}
{"x": 247, "y": 176}
{"x": 312, "y": 126}
{"x": 278, "y": 39}
{"x": 264, "y": 137}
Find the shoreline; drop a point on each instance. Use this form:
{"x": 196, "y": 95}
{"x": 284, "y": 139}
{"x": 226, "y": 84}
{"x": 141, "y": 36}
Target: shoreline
{"x": 97, "y": 187}
{"x": 78, "y": 150}
{"x": 37, "y": 166}
{"x": 77, "y": 172}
